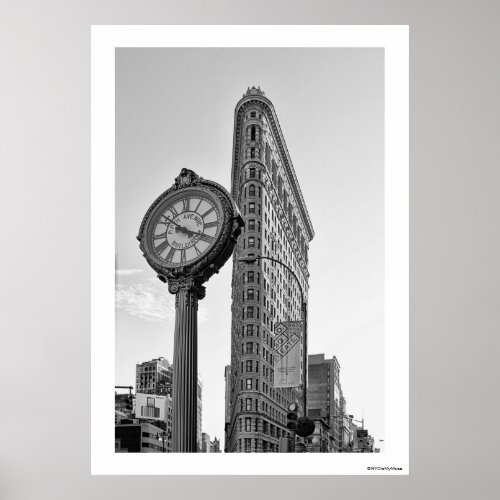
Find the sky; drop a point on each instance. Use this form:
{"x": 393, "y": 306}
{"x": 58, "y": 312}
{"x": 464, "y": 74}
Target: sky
{"x": 174, "y": 110}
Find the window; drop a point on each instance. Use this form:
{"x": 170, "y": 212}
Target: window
{"x": 249, "y": 404}
{"x": 252, "y": 170}
{"x": 248, "y": 365}
{"x": 251, "y": 294}
{"x": 252, "y": 155}
{"x": 249, "y": 330}
{"x": 251, "y": 208}
{"x": 253, "y": 114}
{"x": 251, "y": 242}
{"x": 249, "y": 347}
{"x": 251, "y": 190}
{"x": 268, "y": 155}
{"x": 249, "y": 384}
{"x": 252, "y": 133}
{"x": 248, "y": 424}
{"x": 248, "y": 445}
{"x": 250, "y": 276}
{"x": 251, "y": 225}
{"x": 250, "y": 312}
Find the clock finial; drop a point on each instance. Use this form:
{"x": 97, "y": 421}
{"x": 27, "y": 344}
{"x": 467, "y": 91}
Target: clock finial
{"x": 186, "y": 178}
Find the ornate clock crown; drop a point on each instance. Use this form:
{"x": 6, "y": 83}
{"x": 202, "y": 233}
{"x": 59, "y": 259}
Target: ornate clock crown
{"x": 186, "y": 178}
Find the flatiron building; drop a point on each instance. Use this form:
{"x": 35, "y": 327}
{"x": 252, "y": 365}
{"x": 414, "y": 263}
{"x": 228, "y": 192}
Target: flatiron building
{"x": 267, "y": 192}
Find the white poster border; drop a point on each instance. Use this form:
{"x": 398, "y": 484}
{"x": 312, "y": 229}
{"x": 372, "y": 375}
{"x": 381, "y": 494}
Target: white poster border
{"x": 394, "y": 40}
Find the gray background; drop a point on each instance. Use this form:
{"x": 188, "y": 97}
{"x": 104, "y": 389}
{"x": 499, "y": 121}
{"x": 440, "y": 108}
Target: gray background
{"x": 45, "y": 198}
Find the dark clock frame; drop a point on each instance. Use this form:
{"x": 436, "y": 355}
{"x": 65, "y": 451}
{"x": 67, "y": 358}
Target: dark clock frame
{"x": 208, "y": 264}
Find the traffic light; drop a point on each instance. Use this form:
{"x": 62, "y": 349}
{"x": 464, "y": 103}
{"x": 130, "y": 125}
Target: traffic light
{"x": 305, "y": 427}
{"x": 292, "y": 417}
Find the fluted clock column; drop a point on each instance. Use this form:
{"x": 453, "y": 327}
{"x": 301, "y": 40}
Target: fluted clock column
{"x": 185, "y": 376}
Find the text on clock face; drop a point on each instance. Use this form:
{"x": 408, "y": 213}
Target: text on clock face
{"x": 186, "y": 230}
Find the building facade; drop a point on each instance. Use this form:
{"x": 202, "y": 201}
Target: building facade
{"x": 205, "y": 443}
{"x": 138, "y": 437}
{"x": 153, "y": 377}
{"x": 215, "y": 446}
{"x": 277, "y": 225}
{"x": 227, "y": 406}
{"x": 321, "y": 440}
{"x": 325, "y": 393}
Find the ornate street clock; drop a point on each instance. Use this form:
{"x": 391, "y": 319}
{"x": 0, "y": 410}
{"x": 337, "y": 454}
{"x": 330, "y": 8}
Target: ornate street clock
{"x": 190, "y": 231}
{"x": 187, "y": 235}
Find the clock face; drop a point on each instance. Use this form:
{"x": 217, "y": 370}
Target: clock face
{"x": 185, "y": 228}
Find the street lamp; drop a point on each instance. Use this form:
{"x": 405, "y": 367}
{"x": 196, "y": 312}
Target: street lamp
{"x": 163, "y": 437}
{"x": 252, "y": 260}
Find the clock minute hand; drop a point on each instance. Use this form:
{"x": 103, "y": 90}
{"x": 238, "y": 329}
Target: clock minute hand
{"x": 171, "y": 221}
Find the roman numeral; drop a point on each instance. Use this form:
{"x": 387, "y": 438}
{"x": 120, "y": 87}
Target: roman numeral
{"x": 185, "y": 204}
{"x": 161, "y": 247}
{"x": 170, "y": 254}
{"x": 174, "y": 211}
{"x": 183, "y": 256}
{"x": 207, "y": 238}
{"x": 209, "y": 211}
{"x": 158, "y": 236}
{"x": 198, "y": 252}
{"x": 198, "y": 206}
{"x": 211, "y": 224}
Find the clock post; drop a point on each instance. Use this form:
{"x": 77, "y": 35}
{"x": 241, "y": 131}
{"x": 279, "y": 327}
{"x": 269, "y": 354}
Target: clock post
{"x": 185, "y": 382}
{"x": 186, "y": 236}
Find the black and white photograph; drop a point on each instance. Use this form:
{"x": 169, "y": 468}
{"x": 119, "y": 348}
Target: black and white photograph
{"x": 250, "y": 251}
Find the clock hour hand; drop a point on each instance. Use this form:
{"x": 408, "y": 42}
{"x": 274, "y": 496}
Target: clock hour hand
{"x": 184, "y": 230}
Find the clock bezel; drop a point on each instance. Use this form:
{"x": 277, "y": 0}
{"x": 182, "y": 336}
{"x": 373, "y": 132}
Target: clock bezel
{"x": 212, "y": 260}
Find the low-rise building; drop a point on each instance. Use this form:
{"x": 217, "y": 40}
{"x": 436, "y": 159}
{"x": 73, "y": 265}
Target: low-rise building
{"x": 138, "y": 437}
